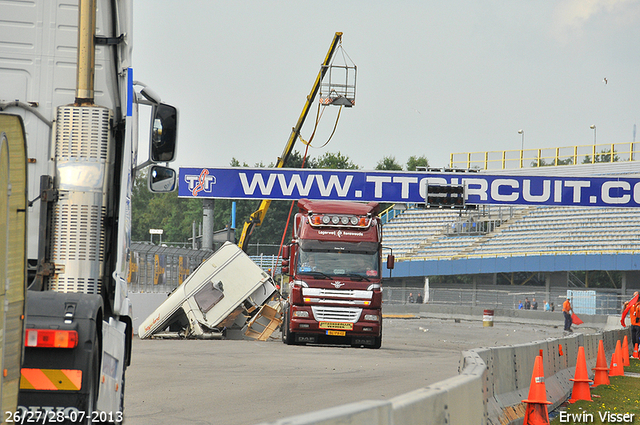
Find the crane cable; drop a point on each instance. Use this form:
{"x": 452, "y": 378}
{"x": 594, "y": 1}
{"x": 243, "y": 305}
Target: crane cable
{"x": 304, "y": 160}
{"x": 318, "y": 116}
{"x": 286, "y": 226}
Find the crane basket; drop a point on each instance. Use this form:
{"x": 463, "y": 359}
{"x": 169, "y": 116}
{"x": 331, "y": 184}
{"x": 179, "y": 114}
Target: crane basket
{"x": 338, "y": 86}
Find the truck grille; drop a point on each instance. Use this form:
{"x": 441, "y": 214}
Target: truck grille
{"x": 337, "y": 293}
{"x": 336, "y": 314}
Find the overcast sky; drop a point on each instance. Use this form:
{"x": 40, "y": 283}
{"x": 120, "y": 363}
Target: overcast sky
{"x": 434, "y": 77}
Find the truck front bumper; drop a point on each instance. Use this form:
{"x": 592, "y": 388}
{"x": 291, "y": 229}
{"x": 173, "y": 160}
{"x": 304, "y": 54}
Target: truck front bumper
{"x": 329, "y": 327}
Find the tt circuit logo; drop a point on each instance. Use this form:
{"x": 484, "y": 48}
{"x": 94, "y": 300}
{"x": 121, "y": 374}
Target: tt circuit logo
{"x": 200, "y": 183}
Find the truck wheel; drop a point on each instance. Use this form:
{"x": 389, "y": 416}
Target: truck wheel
{"x": 288, "y": 337}
{"x": 377, "y": 343}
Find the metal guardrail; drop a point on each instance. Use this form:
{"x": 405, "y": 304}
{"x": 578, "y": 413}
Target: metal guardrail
{"x": 516, "y": 254}
{"x": 585, "y": 301}
{"x": 389, "y": 214}
{"x": 531, "y": 158}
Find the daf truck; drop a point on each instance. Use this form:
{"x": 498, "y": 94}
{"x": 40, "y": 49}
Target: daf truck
{"x": 66, "y": 71}
{"x": 334, "y": 267}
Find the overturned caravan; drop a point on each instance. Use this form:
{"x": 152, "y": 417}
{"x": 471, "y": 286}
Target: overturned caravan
{"x": 216, "y": 300}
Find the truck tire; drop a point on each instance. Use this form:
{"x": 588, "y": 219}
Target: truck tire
{"x": 288, "y": 337}
{"x": 377, "y": 343}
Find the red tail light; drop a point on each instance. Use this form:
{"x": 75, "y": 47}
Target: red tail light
{"x": 51, "y": 338}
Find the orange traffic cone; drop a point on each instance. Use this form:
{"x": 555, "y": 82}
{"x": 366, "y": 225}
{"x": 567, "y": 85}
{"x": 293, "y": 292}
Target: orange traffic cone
{"x": 581, "y": 379}
{"x": 616, "y": 368}
{"x": 536, "y": 413}
{"x": 560, "y": 350}
{"x": 625, "y": 352}
{"x": 635, "y": 352}
{"x": 602, "y": 371}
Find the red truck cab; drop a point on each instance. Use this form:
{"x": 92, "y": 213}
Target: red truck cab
{"x": 334, "y": 263}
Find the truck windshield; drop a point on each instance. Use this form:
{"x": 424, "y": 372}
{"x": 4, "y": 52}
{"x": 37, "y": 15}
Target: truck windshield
{"x": 338, "y": 263}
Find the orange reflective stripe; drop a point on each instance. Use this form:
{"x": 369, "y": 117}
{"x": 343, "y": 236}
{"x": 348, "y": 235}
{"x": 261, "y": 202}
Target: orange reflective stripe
{"x": 74, "y": 377}
{"x": 51, "y": 379}
{"x": 35, "y": 380}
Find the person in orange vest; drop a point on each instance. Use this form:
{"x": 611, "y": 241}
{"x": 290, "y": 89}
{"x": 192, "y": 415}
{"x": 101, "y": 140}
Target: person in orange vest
{"x": 634, "y": 313}
{"x": 567, "y": 310}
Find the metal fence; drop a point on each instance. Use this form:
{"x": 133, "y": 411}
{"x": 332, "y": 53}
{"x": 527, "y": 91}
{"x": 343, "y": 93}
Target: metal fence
{"x": 530, "y": 158}
{"x": 161, "y": 269}
{"x": 154, "y": 268}
{"x": 584, "y": 301}
{"x": 269, "y": 263}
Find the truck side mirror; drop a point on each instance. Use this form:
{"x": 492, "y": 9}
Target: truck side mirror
{"x": 285, "y": 252}
{"x": 164, "y": 133}
{"x": 285, "y": 266}
{"x": 161, "y": 179}
{"x": 390, "y": 261}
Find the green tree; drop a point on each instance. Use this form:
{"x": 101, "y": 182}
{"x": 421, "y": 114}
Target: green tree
{"x": 335, "y": 161}
{"x": 550, "y": 163}
{"x": 235, "y": 163}
{"x": 161, "y": 211}
{"x": 388, "y": 163}
{"x": 603, "y": 156}
{"x": 413, "y": 162}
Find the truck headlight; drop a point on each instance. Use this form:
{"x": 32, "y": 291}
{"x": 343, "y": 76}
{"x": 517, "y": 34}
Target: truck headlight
{"x": 301, "y": 313}
{"x": 373, "y": 317}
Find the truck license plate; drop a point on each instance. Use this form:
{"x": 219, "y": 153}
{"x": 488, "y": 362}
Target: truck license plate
{"x": 336, "y": 333}
{"x": 336, "y": 325}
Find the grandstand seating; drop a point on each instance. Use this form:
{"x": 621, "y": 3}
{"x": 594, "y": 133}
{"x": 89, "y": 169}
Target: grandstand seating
{"x": 544, "y": 230}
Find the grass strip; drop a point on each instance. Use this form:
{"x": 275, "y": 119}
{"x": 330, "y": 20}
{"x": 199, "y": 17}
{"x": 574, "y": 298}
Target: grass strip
{"x": 618, "y": 402}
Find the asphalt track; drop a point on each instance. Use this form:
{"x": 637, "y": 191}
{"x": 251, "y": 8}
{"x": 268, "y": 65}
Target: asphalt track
{"x": 239, "y": 382}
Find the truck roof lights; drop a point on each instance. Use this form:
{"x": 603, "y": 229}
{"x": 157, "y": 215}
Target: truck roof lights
{"x": 51, "y": 338}
{"x": 339, "y": 220}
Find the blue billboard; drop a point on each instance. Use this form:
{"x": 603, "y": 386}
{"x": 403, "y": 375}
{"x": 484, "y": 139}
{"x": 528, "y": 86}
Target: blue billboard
{"x": 404, "y": 187}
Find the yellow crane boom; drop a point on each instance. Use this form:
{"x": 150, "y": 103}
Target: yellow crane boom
{"x": 257, "y": 217}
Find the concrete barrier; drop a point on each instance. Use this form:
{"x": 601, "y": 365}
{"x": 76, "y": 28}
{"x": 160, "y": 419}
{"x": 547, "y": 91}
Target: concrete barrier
{"x": 489, "y": 388}
{"x": 365, "y": 412}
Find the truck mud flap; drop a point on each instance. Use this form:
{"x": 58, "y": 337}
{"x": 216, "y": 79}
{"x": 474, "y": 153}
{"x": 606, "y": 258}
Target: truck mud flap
{"x": 60, "y": 378}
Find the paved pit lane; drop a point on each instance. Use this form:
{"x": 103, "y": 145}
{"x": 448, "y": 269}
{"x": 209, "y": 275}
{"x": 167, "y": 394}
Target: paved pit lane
{"x": 240, "y": 382}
